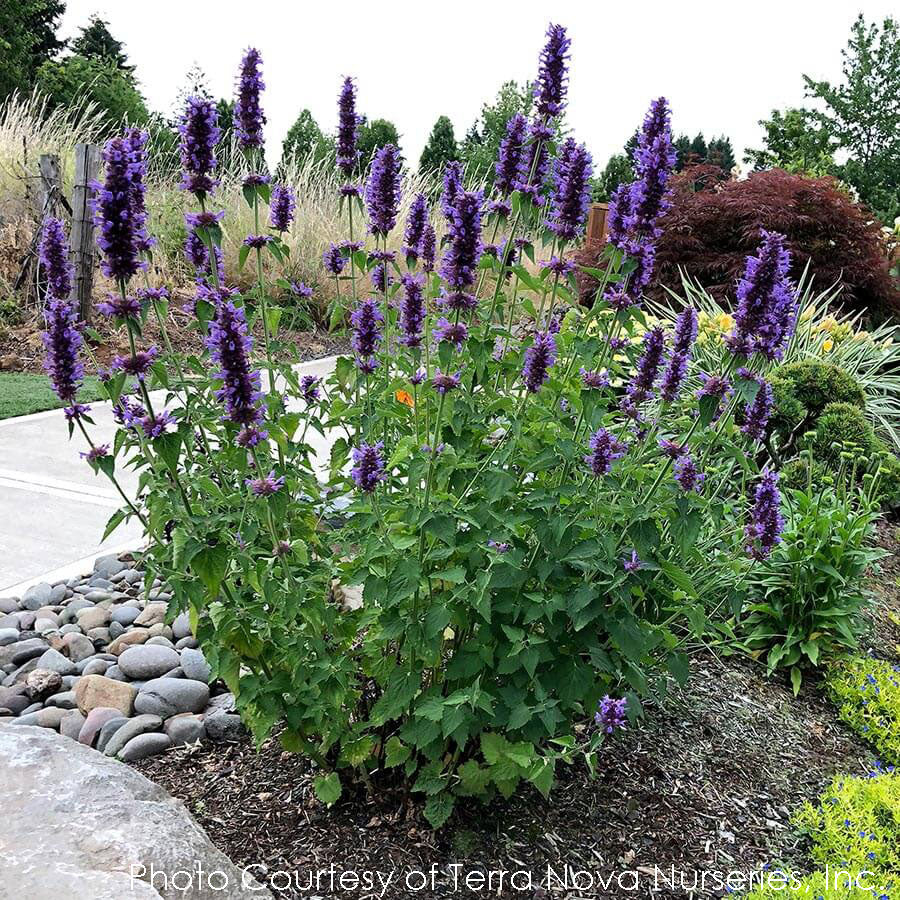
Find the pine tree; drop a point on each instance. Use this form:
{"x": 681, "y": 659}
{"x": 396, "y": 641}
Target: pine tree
{"x": 441, "y": 147}
{"x": 96, "y": 42}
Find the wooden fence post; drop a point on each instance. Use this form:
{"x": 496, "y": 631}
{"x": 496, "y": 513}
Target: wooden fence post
{"x": 87, "y": 165}
{"x": 50, "y": 184}
{"x": 596, "y": 228}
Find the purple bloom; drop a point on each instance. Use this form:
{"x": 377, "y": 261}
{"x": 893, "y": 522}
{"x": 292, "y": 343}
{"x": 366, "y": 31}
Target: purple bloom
{"x": 605, "y": 450}
{"x": 763, "y": 531}
{"x": 351, "y": 246}
{"x": 617, "y": 215}
{"x": 757, "y": 413}
{"x": 281, "y": 208}
{"x": 611, "y": 713}
{"x": 204, "y": 219}
{"x": 671, "y": 449}
{"x": 62, "y": 341}
{"x": 136, "y": 142}
{"x": 648, "y": 366}
{"x": 309, "y": 388}
{"x": 452, "y": 187}
{"x": 571, "y": 191}
{"x": 266, "y": 485}
{"x": 412, "y": 311}
{"x": 673, "y": 377}
{"x": 445, "y": 331}
{"x": 152, "y": 294}
{"x": 351, "y": 190}
{"x": 258, "y": 241}
{"x": 381, "y": 278}
{"x": 508, "y": 167}
{"x": 550, "y": 87}
{"x": 96, "y": 453}
{"x": 499, "y": 546}
{"x": 383, "y": 190}
{"x": 128, "y": 412}
{"x": 687, "y": 474}
{"x": 250, "y": 436}
{"x": 230, "y": 346}
{"x": 119, "y": 219}
{"x": 593, "y": 381}
{"x": 369, "y": 468}
{"x": 562, "y": 267}
{"x": 117, "y": 306}
{"x": 682, "y": 344}
{"x": 348, "y": 122}
{"x": 248, "y": 114}
{"x": 53, "y": 252}
{"x": 254, "y": 179}
{"x": 443, "y": 383}
{"x": 766, "y": 301}
{"x": 539, "y": 357}
{"x": 418, "y": 377}
{"x": 302, "y": 290}
{"x": 366, "y": 320}
{"x": 718, "y": 386}
{"x": 200, "y": 132}
{"x": 632, "y": 562}
{"x": 138, "y": 364}
{"x": 537, "y": 162}
{"x": 461, "y": 259}
{"x": 415, "y": 226}
{"x": 333, "y": 260}
{"x": 429, "y": 245}
{"x": 685, "y": 331}
{"x": 654, "y": 159}
{"x": 501, "y": 208}
{"x": 157, "y": 425}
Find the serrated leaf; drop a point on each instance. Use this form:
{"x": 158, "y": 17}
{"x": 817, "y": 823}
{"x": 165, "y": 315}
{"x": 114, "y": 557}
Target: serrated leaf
{"x": 328, "y": 788}
{"x": 438, "y": 809}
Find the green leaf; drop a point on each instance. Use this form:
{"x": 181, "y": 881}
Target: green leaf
{"x": 473, "y": 778}
{"x": 242, "y": 255}
{"x": 492, "y": 746}
{"x": 327, "y": 788}
{"x": 115, "y": 520}
{"x": 796, "y": 679}
{"x": 453, "y": 575}
{"x": 438, "y": 809}
{"x": 211, "y": 564}
{"x": 395, "y": 752}
{"x": 541, "y": 776}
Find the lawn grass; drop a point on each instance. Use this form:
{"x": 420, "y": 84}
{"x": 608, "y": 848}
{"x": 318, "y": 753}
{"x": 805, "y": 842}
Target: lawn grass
{"x": 22, "y": 393}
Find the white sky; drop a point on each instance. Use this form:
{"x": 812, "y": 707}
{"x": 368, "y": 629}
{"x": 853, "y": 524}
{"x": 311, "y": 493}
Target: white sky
{"x": 723, "y": 65}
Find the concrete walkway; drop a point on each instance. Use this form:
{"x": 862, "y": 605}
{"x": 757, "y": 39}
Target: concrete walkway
{"x": 53, "y": 508}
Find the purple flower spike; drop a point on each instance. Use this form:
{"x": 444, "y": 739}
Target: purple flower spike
{"x": 248, "y": 115}
{"x": 610, "y": 715}
{"x": 200, "y": 132}
{"x": 763, "y": 531}
{"x": 685, "y": 330}
{"x": 119, "y": 307}
{"x": 682, "y": 344}
{"x": 62, "y": 341}
{"x": 443, "y": 383}
{"x": 648, "y": 366}
{"x": 309, "y": 388}
{"x": 688, "y": 476}
{"x": 158, "y": 425}
{"x": 429, "y": 246}
{"x": 333, "y": 260}
{"x": 369, "y": 468}
{"x": 230, "y": 346}
{"x": 383, "y": 190}
{"x": 654, "y": 159}
{"x": 258, "y": 241}
{"x": 571, "y": 191}
{"x": 632, "y": 562}
{"x": 593, "y": 381}
{"x": 445, "y": 331}
{"x": 415, "y": 227}
{"x": 138, "y": 365}
{"x": 510, "y": 158}
{"x": 605, "y": 450}
{"x": 757, "y": 413}
{"x": 452, "y": 187}
{"x": 539, "y": 358}
{"x": 281, "y": 208}
{"x": 766, "y": 301}
{"x": 366, "y": 320}
{"x": 348, "y": 123}
{"x": 412, "y": 311}
{"x": 460, "y": 262}
{"x": 550, "y": 87}
{"x": 54, "y": 256}
{"x": 537, "y": 162}
{"x": 96, "y": 453}
{"x": 265, "y": 485}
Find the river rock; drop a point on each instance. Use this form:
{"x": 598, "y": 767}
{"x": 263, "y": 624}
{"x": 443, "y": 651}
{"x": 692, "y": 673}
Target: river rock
{"x": 108, "y": 565}
{"x": 131, "y": 728}
{"x": 148, "y": 661}
{"x": 108, "y": 730}
{"x": 98, "y": 690}
{"x": 152, "y": 614}
{"x": 54, "y": 661}
{"x": 77, "y": 647}
{"x": 125, "y": 615}
{"x": 95, "y": 720}
{"x": 145, "y": 745}
{"x": 185, "y": 729}
{"x": 195, "y": 666}
{"x": 37, "y": 595}
{"x": 223, "y": 726}
{"x": 169, "y": 696}
{"x": 70, "y": 724}
{"x": 41, "y": 683}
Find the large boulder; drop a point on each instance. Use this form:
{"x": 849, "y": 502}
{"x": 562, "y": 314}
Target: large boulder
{"x": 78, "y": 824}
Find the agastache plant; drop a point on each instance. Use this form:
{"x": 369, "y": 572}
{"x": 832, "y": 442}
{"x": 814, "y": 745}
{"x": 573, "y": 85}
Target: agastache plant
{"x": 248, "y": 114}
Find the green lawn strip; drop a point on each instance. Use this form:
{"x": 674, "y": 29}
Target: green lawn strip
{"x": 22, "y": 393}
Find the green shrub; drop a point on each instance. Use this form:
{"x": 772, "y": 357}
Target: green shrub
{"x": 867, "y": 694}
{"x": 809, "y": 592}
{"x": 831, "y": 885}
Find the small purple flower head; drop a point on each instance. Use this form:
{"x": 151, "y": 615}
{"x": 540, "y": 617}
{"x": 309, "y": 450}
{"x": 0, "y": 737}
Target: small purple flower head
{"x": 383, "y": 190}
{"x": 309, "y": 388}
{"x": 258, "y": 241}
{"x": 537, "y": 162}
{"x": 96, "y": 453}
{"x": 508, "y": 167}
{"x": 610, "y": 714}
{"x": 618, "y": 215}
{"x": 200, "y": 132}
{"x": 671, "y": 449}
{"x": 62, "y": 341}
{"x": 453, "y": 176}
{"x": 499, "y": 546}
{"x": 501, "y": 208}
{"x": 369, "y": 468}
{"x": 443, "y": 383}
{"x": 381, "y": 278}
{"x": 119, "y": 307}
{"x": 539, "y": 358}
{"x": 632, "y": 562}
{"x": 561, "y": 266}
{"x": 763, "y": 531}
{"x": 255, "y": 179}
{"x": 333, "y": 260}
{"x": 207, "y": 219}
{"x": 250, "y": 435}
{"x": 281, "y": 208}
{"x": 445, "y": 331}
{"x": 757, "y": 413}
{"x": 157, "y": 425}
{"x": 418, "y": 377}
{"x": 265, "y": 485}
{"x": 464, "y": 251}
{"x": 686, "y": 473}
{"x": 594, "y": 381}
{"x": 571, "y": 193}
{"x": 138, "y": 364}
{"x": 429, "y": 248}
{"x": 685, "y": 330}
{"x": 53, "y": 252}
{"x": 673, "y": 377}
{"x": 301, "y": 289}
{"x": 248, "y": 115}
{"x": 366, "y": 320}
{"x": 551, "y": 84}
{"x": 605, "y": 449}
{"x": 654, "y": 159}
{"x": 230, "y": 346}
{"x": 412, "y": 311}
{"x": 128, "y": 412}
{"x": 718, "y": 386}
{"x": 348, "y": 123}
{"x": 766, "y": 301}
{"x": 415, "y": 226}
{"x": 648, "y": 366}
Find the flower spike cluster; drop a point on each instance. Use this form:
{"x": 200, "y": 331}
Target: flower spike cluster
{"x": 682, "y": 344}
{"x": 551, "y": 85}
{"x": 383, "y": 190}
{"x": 641, "y": 386}
{"x": 415, "y": 227}
{"x": 62, "y": 342}
{"x": 200, "y": 132}
{"x": 369, "y": 468}
{"x": 757, "y": 413}
{"x": 366, "y": 320}
{"x": 452, "y": 187}
{"x": 763, "y": 531}
{"x": 281, "y": 208}
{"x": 510, "y": 158}
{"x": 539, "y": 358}
{"x": 348, "y": 123}
{"x": 53, "y": 252}
{"x": 464, "y": 251}
{"x": 412, "y": 311}
{"x": 571, "y": 193}
{"x": 605, "y": 449}
{"x": 248, "y": 115}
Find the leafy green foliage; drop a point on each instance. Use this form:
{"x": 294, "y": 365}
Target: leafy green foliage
{"x": 94, "y": 41}
{"x": 374, "y": 135}
{"x": 27, "y": 40}
{"x": 440, "y": 148}
{"x": 796, "y": 142}
{"x": 807, "y": 597}
{"x": 304, "y": 139}
{"x": 867, "y": 694}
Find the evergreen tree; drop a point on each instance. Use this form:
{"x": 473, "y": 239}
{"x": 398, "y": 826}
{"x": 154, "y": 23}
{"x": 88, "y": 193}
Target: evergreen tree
{"x": 698, "y": 150}
{"x": 96, "y": 42}
{"x": 721, "y": 153}
{"x": 683, "y": 150}
{"x": 27, "y": 40}
{"x": 618, "y": 171}
{"x": 441, "y": 147}
{"x": 373, "y": 135}
{"x": 305, "y": 138}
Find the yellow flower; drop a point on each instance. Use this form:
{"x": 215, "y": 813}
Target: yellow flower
{"x": 807, "y": 313}
{"x": 405, "y": 398}
{"x": 828, "y": 345}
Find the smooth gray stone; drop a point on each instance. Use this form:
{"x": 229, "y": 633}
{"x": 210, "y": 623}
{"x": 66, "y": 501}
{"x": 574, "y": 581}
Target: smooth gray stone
{"x": 224, "y": 701}
{"x": 58, "y": 593}
{"x": 37, "y": 595}
{"x": 108, "y": 565}
{"x": 115, "y": 673}
{"x": 132, "y": 728}
{"x": 64, "y": 700}
{"x": 181, "y": 627}
{"x": 145, "y": 745}
{"x": 185, "y": 729}
{"x": 169, "y": 696}
{"x": 95, "y": 666}
{"x": 177, "y": 672}
{"x": 125, "y": 615}
{"x": 186, "y": 642}
{"x": 108, "y": 730}
{"x": 26, "y": 650}
{"x": 147, "y": 661}
{"x": 223, "y": 726}
{"x": 70, "y": 724}
{"x": 116, "y": 629}
{"x": 9, "y": 604}
{"x": 54, "y": 661}
{"x": 8, "y": 636}
{"x": 78, "y": 647}
{"x": 195, "y": 665}
{"x": 79, "y": 825}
